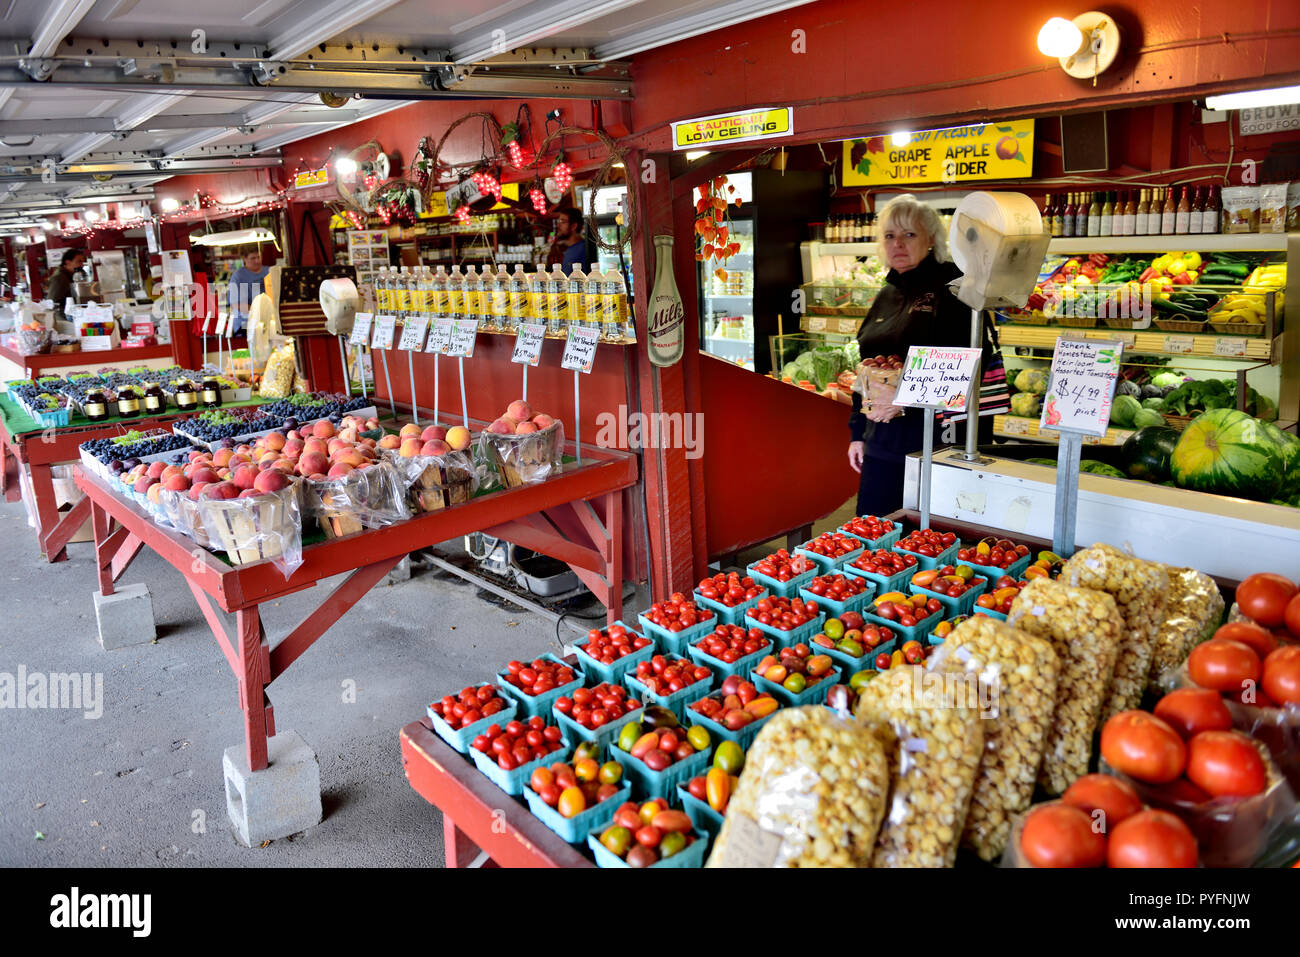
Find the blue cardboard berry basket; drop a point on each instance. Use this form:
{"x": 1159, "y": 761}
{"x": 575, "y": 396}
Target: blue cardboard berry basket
{"x": 675, "y": 702}
{"x": 872, "y": 544}
{"x": 925, "y": 563}
{"x": 835, "y": 608}
{"x": 675, "y": 642}
{"x": 728, "y": 614}
{"x": 922, "y": 627}
{"x": 963, "y": 603}
{"x": 1015, "y": 570}
{"x": 514, "y": 782}
{"x": 55, "y": 418}
{"x": 692, "y": 856}
{"x": 743, "y": 737}
{"x": 999, "y": 616}
{"x": 651, "y": 784}
{"x": 813, "y": 694}
{"x": 602, "y": 735}
{"x": 721, "y": 669}
{"x": 613, "y": 673}
{"x": 701, "y": 814}
{"x": 460, "y": 739}
{"x": 829, "y": 564}
{"x": 883, "y": 583}
{"x": 849, "y": 665}
{"x": 532, "y": 705}
{"x": 784, "y": 589}
{"x": 787, "y": 639}
{"x": 575, "y": 829}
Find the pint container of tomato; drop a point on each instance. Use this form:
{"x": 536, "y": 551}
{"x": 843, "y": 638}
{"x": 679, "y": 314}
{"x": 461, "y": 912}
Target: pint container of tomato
{"x": 610, "y": 653}
{"x": 457, "y": 731}
{"x": 932, "y": 549}
{"x": 873, "y": 532}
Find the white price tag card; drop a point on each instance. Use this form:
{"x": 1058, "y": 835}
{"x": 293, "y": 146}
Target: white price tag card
{"x": 937, "y": 377}
{"x": 361, "y": 329}
{"x": 528, "y": 343}
{"x": 580, "y": 349}
{"x": 439, "y": 337}
{"x": 1234, "y": 348}
{"x": 1181, "y": 345}
{"x": 816, "y": 323}
{"x": 1081, "y": 387}
{"x": 413, "y": 331}
{"x": 1128, "y": 338}
{"x": 385, "y": 326}
{"x": 222, "y": 321}
{"x": 463, "y": 334}
{"x": 1014, "y": 426}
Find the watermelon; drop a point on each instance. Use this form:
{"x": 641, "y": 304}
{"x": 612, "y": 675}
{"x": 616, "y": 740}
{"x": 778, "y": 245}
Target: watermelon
{"x": 1093, "y": 467}
{"x": 1290, "y": 446}
{"x": 1146, "y": 453}
{"x": 1226, "y": 452}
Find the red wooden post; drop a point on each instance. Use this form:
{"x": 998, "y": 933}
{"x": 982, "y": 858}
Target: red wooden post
{"x": 47, "y": 515}
{"x": 100, "y": 524}
{"x": 252, "y": 686}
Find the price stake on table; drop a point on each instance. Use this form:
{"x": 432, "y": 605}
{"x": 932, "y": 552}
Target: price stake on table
{"x": 937, "y": 377}
{"x": 413, "y": 332}
{"x": 580, "y": 350}
{"x": 463, "y": 334}
{"x": 439, "y": 337}
{"x": 361, "y": 329}
{"x": 1081, "y": 387}
{"x": 385, "y": 327}
{"x": 528, "y": 343}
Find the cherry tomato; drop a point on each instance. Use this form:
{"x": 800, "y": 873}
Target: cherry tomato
{"x": 1225, "y": 764}
{"x": 1263, "y": 597}
{"x": 1103, "y": 793}
{"x": 1292, "y": 616}
{"x": 1248, "y": 633}
{"x": 1058, "y": 835}
{"x": 1143, "y": 747}
{"x": 1151, "y": 839}
{"x": 1282, "y": 675}
{"x": 1190, "y": 711}
{"x": 1223, "y": 665}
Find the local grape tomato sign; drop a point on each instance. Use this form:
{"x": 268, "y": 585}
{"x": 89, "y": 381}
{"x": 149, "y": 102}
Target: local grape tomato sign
{"x": 1081, "y": 386}
{"x": 937, "y": 378}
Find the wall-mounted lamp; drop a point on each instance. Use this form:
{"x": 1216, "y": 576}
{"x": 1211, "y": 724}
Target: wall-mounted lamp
{"x": 1086, "y": 45}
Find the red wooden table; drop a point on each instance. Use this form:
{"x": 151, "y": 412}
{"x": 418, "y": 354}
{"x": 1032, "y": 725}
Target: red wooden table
{"x": 35, "y": 364}
{"x": 575, "y": 517}
{"x": 476, "y": 814}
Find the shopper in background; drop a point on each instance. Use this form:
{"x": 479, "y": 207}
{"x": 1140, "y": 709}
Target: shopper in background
{"x": 60, "y": 285}
{"x": 570, "y": 248}
{"x": 246, "y": 284}
{"x": 915, "y": 308}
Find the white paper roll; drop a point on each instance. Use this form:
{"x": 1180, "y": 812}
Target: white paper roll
{"x": 997, "y": 241}
{"x": 339, "y": 300}
{"x": 1008, "y": 214}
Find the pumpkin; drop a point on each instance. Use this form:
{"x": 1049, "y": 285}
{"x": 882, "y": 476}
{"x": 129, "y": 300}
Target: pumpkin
{"x": 1226, "y": 452}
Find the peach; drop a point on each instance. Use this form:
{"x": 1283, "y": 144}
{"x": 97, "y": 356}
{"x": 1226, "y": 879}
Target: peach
{"x": 519, "y": 410}
{"x": 248, "y": 493}
{"x": 317, "y": 477}
{"x": 366, "y": 443}
{"x": 204, "y": 475}
{"x": 390, "y": 442}
{"x": 339, "y": 470}
{"x": 410, "y": 448}
{"x": 336, "y": 443}
{"x": 221, "y": 458}
{"x": 275, "y": 441}
{"x": 171, "y": 470}
{"x": 322, "y": 429}
{"x": 176, "y": 483}
{"x": 285, "y": 466}
{"x": 350, "y": 457}
{"x": 294, "y": 435}
{"x": 509, "y": 420}
{"x": 502, "y": 427}
{"x": 435, "y": 447}
{"x": 367, "y": 452}
{"x": 433, "y": 432}
{"x": 154, "y": 491}
{"x": 312, "y": 463}
{"x": 244, "y": 449}
{"x": 372, "y": 423}
{"x": 196, "y": 455}
{"x": 543, "y": 421}
{"x": 143, "y": 482}
{"x": 244, "y": 476}
{"x": 267, "y": 457}
{"x": 221, "y": 490}
{"x": 292, "y": 448}
{"x": 523, "y": 428}
{"x": 239, "y": 459}
{"x": 349, "y": 434}
{"x": 196, "y": 490}
{"x": 410, "y": 431}
{"x": 272, "y": 480}
{"x": 156, "y": 469}
{"x": 458, "y": 437}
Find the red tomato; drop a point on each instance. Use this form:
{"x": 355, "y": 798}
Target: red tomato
{"x": 1151, "y": 839}
{"x": 1223, "y": 665}
{"x": 1058, "y": 835}
{"x": 1263, "y": 597}
{"x": 1190, "y": 711}
{"x": 1292, "y": 616}
{"x": 1143, "y": 747}
{"x": 1225, "y": 764}
{"x": 1103, "y": 793}
{"x": 1282, "y": 675}
{"x": 1248, "y": 633}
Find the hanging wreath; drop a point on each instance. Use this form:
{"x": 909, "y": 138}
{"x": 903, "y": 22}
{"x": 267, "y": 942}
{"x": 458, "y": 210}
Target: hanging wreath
{"x": 602, "y": 176}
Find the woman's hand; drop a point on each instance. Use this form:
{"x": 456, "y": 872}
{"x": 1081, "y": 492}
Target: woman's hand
{"x": 881, "y": 397}
{"x": 857, "y": 451}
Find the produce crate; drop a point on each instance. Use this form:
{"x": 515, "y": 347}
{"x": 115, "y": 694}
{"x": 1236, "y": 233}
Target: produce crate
{"x": 1015, "y": 570}
{"x": 963, "y": 603}
{"x": 460, "y": 739}
{"x": 1179, "y": 325}
{"x": 603, "y": 735}
{"x": 727, "y": 615}
{"x": 1239, "y": 328}
{"x": 675, "y": 702}
{"x": 650, "y": 784}
{"x": 925, "y": 563}
{"x": 788, "y": 639}
{"x": 828, "y": 565}
{"x": 837, "y": 608}
{"x": 675, "y": 642}
{"x": 532, "y": 705}
{"x": 884, "y": 584}
{"x": 849, "y": 665}
{"x": 744, "y": 737}
{"x": 721, "y": 670}
{"x": 921, "y": 628}
{"x": 614, "y": 673}
{"x": 999, "y": 616}
{"x": 692, "y": 856}
{"x": 813, "y": 694}
{"x": 575, "y": 829}
{"x": 884, "y": 541}
{"x": 701, "y": 814}
{"x": 1077, "y": 322}
{"x": 51, "y": 420}
{"x": 784, "y": 589}
{"x": 514, "y": 782}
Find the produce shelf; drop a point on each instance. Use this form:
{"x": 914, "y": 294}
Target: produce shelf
{"x": 1201, "y": 243}
{"x": 1152, "y": 342}
{"x": 1019, "y": 427}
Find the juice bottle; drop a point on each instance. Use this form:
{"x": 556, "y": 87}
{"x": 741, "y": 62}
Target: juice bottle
{"x": 576, "y": 293}
{"x": 519, "y": 300}
{"x": 487, "y": 319}
{"x": 441, "y": 306}
{"x": 614, "y": 296}
{"x": 455, "y": 295}
{"x": 501, "y": 298}
{"x": 402, "y": 287}
{"x": 557, "y": 297}
{"x": 592, "y": 303}
{"x": 383, "y": 291}
{"x": 539, "y": 303}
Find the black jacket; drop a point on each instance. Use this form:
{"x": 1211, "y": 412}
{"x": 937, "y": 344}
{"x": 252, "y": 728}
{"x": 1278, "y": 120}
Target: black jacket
{"x": 915, "y": 308}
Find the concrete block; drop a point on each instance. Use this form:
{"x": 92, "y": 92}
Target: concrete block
{"x": 125, "y": 617}
{"x": 401, "y": 572}
{"x": 282, "y": 800}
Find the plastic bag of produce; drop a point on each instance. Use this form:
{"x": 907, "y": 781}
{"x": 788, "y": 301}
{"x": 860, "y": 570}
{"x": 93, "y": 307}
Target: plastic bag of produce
{"x": 523, "y": 459}
{"x": 812, "y": 794}
{"x": 1016, "y": 676}
{"x": 1139, "y": 589}
{"x": 369, "y": 497}
{"x": 432, "y": 482}
{"x": 1193, "y": 610}
{"x": 277, "y": 378}
{"x": 939, "y": 745}
{"x": 183, "y": 514}
{"x": 1085, "y": 629}
{"x": 257, "y": 528}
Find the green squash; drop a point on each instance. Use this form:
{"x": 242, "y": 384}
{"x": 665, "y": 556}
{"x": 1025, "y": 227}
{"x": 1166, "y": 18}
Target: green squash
{"x": 1147, "y": 451}
{"x": 1226, "y": 452}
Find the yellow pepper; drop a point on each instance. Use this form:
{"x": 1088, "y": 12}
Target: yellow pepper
{"x": 1193, "y": 260}
{"x": 1177, "y": 267}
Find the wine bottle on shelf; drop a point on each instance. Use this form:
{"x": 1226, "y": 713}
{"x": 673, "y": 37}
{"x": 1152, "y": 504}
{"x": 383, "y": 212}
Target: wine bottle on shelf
{"x": 1168, "y": 213}
{"x": 1183, "y": 213}
{"x": 1129, "y": 220}
{"x": 1107, "y": 227}
{"x": 1094, "y": 215}
{"x": 1047, "y": 214}
{"x": 1210, "y": 219}
{"x": 1070, "y": 216}
{"x": 1196, "y": 220}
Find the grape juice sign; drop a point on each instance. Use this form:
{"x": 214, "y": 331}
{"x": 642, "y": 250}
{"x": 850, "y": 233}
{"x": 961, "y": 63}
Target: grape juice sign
{"x": 1081, "y": 387}
{"x": 982, "y": 151}
{"x": 937, "y": 378}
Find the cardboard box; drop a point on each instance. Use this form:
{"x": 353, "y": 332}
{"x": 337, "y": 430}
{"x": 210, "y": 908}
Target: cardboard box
{"x": 101, "y": 343}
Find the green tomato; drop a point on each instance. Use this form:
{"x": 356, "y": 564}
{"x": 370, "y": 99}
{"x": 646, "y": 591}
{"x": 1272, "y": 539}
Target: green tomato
{"x": 672, "y": 842}
{"x": 699, "y": 738}
{"x": 860, "y": 679}
{"x": 627, "y": 737}
{"x": 795, "y": 683}
{"x": 617, "y": 839}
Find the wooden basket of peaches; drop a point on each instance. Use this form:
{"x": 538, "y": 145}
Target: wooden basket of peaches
{"x": 434, "y": 463}
{"x": 524, "y": 445}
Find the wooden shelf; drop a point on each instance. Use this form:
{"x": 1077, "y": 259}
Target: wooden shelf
{"x": 1201, "y": 243}
{"x": 1148, "y": 342}
{"x": 1019, "y": 427}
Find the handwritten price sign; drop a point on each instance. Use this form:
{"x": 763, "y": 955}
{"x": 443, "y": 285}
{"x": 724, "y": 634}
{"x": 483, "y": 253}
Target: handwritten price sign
{"x": 413, "y": 334}
{"x": 439, "y": 337}
{"x": 937, "y": 378}
{"x": 580, "y": 349}
{"x": 528, "y": 343}
{"x": 1082, "y": 386}
{"x": 463, "y": 334}
{"x": 361, "y": 329}
{"x": 385, "y": 326}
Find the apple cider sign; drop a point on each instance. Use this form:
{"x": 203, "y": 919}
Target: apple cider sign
{"x": 983, "y": 151}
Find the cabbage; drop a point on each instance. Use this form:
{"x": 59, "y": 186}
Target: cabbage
{"x": 1031, "y": 380}
{"x": 1026, "y": 404}
{"x": 1167, "y": 380}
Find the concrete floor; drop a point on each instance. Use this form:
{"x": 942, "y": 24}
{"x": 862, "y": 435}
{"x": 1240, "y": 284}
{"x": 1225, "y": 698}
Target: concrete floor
{"x": 141, "y": 786}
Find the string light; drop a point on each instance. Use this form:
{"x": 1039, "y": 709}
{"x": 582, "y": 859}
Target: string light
{"x": 562, "y": 173}
{"x": 516, "y": 154}
{"x": 487, "y": 184}
{"x": 539, "y": 200}
{"x": 461, "y": 214}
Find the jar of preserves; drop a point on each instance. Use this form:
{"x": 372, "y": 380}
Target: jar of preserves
{"x": 210, "y": 393}
{"x": 155, "y": 401}
{"x": 128, "y": 402}
{"x": 95, "y": 405}
{"x": 187, "y": 397}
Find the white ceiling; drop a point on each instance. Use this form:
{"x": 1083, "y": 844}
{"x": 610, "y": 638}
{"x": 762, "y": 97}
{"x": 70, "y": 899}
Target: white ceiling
{"x": 64, "y": 63}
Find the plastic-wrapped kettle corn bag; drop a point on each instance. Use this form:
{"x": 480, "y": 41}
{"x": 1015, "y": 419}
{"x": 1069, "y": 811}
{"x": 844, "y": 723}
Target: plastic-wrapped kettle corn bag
{"x": 1193, "y": 610}
{"x": 1015, "y": 676}
{"x": 1139, "y": 588}
{"x": 1085, "y": 630}
{"x": 940, "y": 739}
{"x": 812, "y": 794}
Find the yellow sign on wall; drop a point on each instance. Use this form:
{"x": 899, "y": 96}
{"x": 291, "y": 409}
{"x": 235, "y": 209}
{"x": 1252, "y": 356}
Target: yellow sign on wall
{"x": 312, "y": 177}
{"x": 437, "y": 204}
{"x": 733, "y": 128}
{"x": 983, "y": 151}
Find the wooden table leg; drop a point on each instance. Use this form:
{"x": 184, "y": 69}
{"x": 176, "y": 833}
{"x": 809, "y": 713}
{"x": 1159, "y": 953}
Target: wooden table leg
{"x": 253, "y": 679}
{"x": 459, "y": 850}
{"x": 101, "y": 524}
{"x": 9, "y": 485}
{"x": 614, "y": 572}
{"x": 47, "y": 513}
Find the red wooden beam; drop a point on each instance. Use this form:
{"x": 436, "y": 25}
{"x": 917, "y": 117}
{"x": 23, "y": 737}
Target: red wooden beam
{"x": 525, "y": 531}
{"x": 130, "y": 547}
{"x": 217, "y": 625}
{"x": 72, "y": 520}
{"x": 252, "y": 687}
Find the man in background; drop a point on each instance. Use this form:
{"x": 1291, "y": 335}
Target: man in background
{"x": 60, "y": 285}
{"x": 246, "y": 284}
{"x": 570, "y": 248}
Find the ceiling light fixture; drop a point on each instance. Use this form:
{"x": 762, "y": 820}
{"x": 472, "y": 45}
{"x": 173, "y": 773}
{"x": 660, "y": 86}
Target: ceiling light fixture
{"x": 1059, "y": 38}
{"x": 1086, "y": 46}
{"x": 901, "y": 138}
{"x": 693, "y": 155}
{"x": 170, "y": 204}
{"x": 1278, "y": 96}
{"x": 346, "y": 166}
